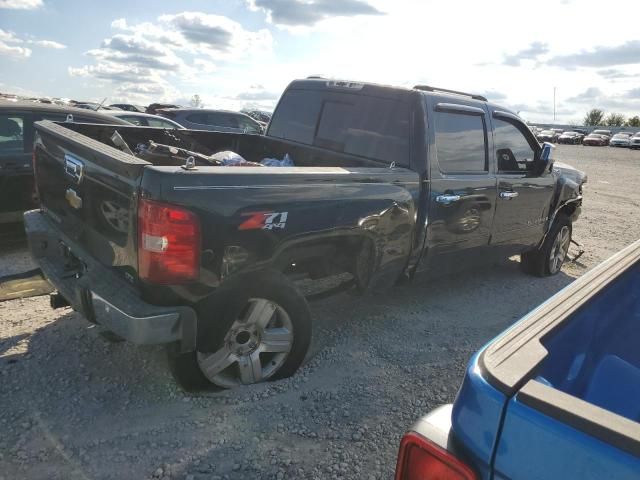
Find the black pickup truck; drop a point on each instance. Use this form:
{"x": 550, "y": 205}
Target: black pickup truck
{"x": 174, "y": 248}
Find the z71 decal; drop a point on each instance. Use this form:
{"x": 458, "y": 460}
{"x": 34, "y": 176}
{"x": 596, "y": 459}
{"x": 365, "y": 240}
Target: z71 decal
{"x": 264, "y": 221}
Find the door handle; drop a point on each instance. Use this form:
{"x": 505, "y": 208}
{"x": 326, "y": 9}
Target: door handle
{"x": 508, "y": 195}
{"x": 447, "y": 199}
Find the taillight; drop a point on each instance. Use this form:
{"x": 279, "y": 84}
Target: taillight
{"x": 168, "y": 243}
{"x": 420, "y": 459}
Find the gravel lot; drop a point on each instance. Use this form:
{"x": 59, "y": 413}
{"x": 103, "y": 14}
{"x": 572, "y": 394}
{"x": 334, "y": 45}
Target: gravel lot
{"x": 73, "y": 406}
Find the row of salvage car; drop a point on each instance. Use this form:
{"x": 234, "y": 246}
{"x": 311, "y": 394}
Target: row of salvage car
{"x": 597, "y": 138}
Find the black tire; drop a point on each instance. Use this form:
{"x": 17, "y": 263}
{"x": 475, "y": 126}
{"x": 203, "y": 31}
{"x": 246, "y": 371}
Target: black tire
{"x": 537, "y": 262}
{"x": 212, "y": 328}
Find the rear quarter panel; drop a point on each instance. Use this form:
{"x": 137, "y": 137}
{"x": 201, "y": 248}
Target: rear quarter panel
{"x": 268, "y": 212}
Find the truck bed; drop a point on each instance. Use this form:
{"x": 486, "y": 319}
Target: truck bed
{"x": 327, "y": 205}
{"x": 570, "y": 376}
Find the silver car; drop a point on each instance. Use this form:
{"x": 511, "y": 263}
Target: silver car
{"x": 622, "y": 139}
{"x": 213, "y": 120}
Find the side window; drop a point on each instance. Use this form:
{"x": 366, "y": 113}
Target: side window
{"x": 296, "y": 116}
{"x": 461, "y": 143}
{"x": 11, "y": 134}
{"x": 247, "y": 125}
{"x": 135, "y": 120}
{"x": 222, "y": 120}
{"x": 154, "y": 122}
{"x": 200, "y": 118}
{"x": 513, "y": 151}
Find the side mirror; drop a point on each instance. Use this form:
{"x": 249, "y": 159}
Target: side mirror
{"x": 545, "y": 162}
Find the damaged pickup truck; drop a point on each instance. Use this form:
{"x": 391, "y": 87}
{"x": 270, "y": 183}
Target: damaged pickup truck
{"x": 145, "y": 232}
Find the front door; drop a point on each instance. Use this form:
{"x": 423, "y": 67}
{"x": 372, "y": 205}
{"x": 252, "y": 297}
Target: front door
{"x": 524, "y": 197}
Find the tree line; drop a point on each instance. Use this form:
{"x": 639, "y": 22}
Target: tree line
{"x": 595, "y": 117}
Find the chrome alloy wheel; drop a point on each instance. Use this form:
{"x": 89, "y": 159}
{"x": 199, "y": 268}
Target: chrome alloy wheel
{"x": 255, "y": 347}
{"x": 559, "y": 249}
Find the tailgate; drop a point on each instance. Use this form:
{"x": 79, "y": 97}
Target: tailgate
{"x": 90, "y": 191}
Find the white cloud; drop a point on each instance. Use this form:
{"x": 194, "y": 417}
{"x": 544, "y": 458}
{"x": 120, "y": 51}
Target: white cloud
{"x": 177, "y": 49}
{"x": 13, "y": 51}
{"x": 20, "y": 4}
{"x": 10, "y": 45}
{"x": 47, "y": 44}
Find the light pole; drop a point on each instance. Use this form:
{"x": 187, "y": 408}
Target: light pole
{"x": 554, "y": 104}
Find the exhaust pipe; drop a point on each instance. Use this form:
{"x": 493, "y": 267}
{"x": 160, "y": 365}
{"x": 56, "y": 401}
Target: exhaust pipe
{"x": 57, "y": 301}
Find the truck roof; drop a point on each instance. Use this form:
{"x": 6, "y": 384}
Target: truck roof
{"x": 386, "y": 91}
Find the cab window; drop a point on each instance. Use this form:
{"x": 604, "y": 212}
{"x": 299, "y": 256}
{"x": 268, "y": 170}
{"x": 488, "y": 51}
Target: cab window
{"x": 514, "y": 153}
{"x": 11, "y": 134}
{"x": 461, "y": 141}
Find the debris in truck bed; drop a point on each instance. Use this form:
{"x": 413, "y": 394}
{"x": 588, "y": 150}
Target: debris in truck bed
{"x": 161, "y": 154}
{"x": 229, "y": 158}
{"x": 274, "y": 162}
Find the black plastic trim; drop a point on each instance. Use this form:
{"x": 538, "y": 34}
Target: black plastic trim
{"x": 458, "y": 108}
{"x": 602, "y": 424}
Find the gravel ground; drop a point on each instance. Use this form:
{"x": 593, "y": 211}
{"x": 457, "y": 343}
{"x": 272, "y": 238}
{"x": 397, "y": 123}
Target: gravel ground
{"x": 73, "y": 406}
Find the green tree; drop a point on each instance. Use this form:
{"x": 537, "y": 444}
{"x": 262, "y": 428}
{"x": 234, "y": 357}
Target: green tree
{"x": 196, "y": 101}
{"x": 594, "y": 117}
{"x": 634, "y": 121}
{"x": 614, "y": 120}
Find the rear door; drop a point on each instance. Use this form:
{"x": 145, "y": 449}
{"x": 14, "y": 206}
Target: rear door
{"x": 524, "y": 197}
{"x": 463, "y": 183}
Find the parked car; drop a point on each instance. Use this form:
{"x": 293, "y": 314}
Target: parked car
{"x": 570, "y": 137}
{"x": 621, "y": 139}
{"x": 556, "y": 396}
{"x": 595, "y": 140}
{"x": 604, "y": 133}
{"x": 128, "y": 107}
{"x": 259, "y": 116}
{"x": 548, "y": 136}
{"x": 146, "y": 119}
{"x": 213, "y": 120}
{"x": 635, "y": 141}
{"x": 16, "y": 142}
{"x": 203, "y": 258}
{"x": 154, "y": 107}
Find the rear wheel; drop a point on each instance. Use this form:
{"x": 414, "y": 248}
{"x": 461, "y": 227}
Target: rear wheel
{"x": 265, "y": 328}
{"x": 549, "y": 258}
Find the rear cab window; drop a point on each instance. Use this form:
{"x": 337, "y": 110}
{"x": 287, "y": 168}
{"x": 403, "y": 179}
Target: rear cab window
{"x": 356, "y": 124}
{"x": 12, "y": 134}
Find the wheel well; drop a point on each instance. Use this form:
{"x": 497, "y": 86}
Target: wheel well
{"x": 319, "y": 259}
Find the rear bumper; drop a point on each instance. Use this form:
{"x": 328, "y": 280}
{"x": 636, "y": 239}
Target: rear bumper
{"x": 100, "y": 294}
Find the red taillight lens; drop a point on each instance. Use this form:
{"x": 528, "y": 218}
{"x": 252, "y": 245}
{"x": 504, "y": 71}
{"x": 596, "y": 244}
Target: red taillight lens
{"x": 420, "y": 459}
{"x": 168, "y": 243}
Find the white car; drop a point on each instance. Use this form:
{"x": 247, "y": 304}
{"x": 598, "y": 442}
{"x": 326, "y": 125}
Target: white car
{"x": 622, "y": 139}
{"x": 635, "y": 141}
{"x": 144, "y": 119}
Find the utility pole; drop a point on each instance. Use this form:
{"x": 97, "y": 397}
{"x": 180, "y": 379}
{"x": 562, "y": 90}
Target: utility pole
{"x": 554, "y": 104}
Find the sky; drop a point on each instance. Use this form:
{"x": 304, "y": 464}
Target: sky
{"x": 243, "y": 53}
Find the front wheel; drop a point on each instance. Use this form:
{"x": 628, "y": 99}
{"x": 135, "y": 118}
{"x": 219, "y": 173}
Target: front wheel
{"x": 549, "y": 258}
{"x": 265, "y": 328}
